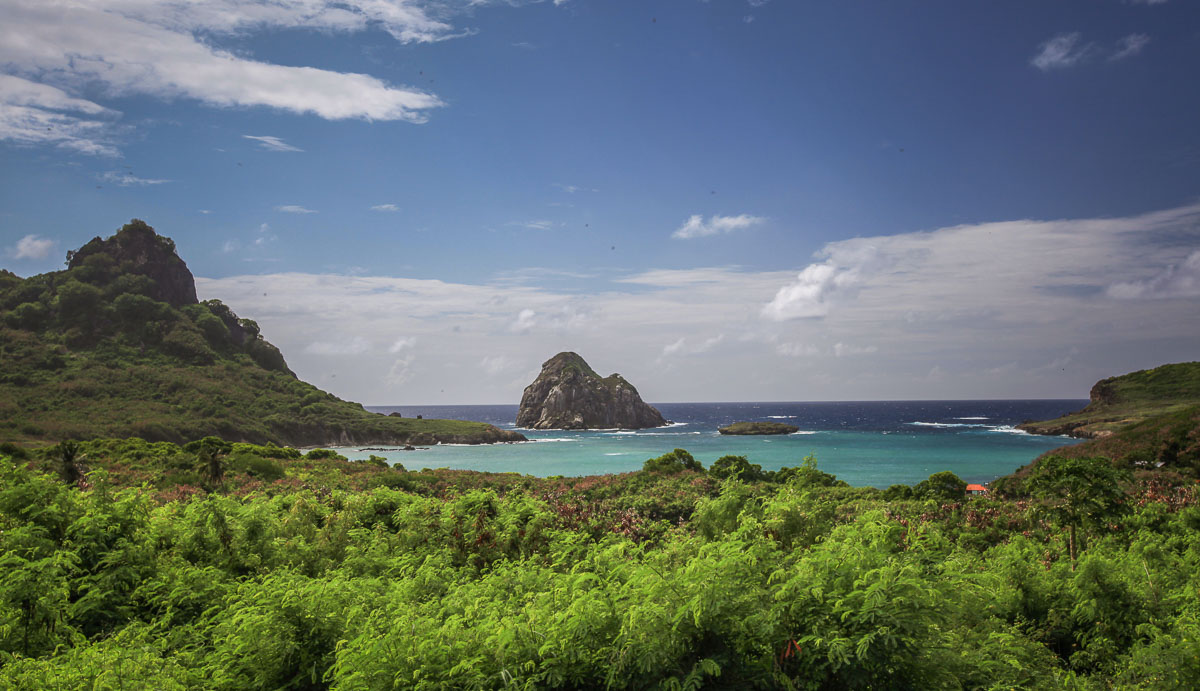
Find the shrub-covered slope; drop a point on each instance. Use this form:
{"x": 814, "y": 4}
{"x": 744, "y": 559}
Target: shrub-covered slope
{"x": 119, "y": 345}
{"x": 1121, "y": 402}
{"x": 277, "y": 576}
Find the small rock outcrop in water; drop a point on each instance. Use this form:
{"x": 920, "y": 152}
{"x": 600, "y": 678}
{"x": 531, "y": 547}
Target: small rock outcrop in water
{"x": 568, "y": 394}
{"x": 758, "y": 428}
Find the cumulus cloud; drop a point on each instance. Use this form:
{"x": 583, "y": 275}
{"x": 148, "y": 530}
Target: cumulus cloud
{"x": 400, "y": 344}
{"x": 1176, "y": 280}
{"x": 819, "y": 285}
{"x": 1129, "y": 46}
{"x": 269, "y": 143}
{"x": 33, "y": 114}
{"x": 32, "y": 247}
{"x": 294, "y": 209}
{"x": 525, "y": 321}
{"x": 385, "y": 207}
{"x": 562, "y": 317}
{"x": 696, "y": 227}
{"x": 1063, "y": 50}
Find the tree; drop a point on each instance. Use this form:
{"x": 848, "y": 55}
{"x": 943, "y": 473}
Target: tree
{"x": 66, "y": 456}
{"x": 1078, "y": 493}
{"x": 211, "y": 452}
{"x": 944, "y": 485}
{"x": 738, "y": 467}
{"x": 674, "y": 462}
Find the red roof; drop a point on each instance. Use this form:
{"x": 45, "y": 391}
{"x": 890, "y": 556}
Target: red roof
{"x": 976, "y": 488}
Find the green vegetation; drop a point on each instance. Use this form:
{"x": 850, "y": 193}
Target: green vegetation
{"x": 1118, "y": 403}
{"x": 758, "y": 428}
{"x": 149, "y": 572}
{"x": 116, "y": 345}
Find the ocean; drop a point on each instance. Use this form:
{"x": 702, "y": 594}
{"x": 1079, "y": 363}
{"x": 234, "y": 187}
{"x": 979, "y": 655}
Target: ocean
{"x": 869, "y": 443}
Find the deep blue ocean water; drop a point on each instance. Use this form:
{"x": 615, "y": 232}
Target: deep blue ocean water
{"x": 876, "y": 443}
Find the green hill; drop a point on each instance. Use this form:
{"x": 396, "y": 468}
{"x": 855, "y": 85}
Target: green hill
{"x": 1118, "y": 403}
{"x": 118, "y": 345}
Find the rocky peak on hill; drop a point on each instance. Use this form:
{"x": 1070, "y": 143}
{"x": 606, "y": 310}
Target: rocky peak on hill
{"x": 137, "y": 249}
{"x": 568, "y": 394}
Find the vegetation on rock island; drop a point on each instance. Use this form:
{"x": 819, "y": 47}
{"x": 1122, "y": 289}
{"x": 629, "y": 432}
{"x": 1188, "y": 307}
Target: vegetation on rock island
{"x": 136, "y": 564}
{"x": 758, "y": 428}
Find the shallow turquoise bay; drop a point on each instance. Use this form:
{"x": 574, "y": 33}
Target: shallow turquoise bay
{"x": 875, "y": 443}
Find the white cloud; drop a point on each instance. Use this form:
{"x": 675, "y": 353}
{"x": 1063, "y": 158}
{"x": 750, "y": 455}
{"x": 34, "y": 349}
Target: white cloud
{"x": 401, "y": 370}
{"x": 401, "y": 344}
{"x": 294, "y": 209}
{"x": 682, "y": 347}
{"x": 230, "y": 246}
{"x": 1064, "y": 50}
{"x": 819, "y": 285}
{"x": 533, "y": 225}
{"x": 269, "y": 143}
{"x": 1129, "y": 46}
{"x": 125, "y": 179}
{"x": 988, "y": 305}
{"x": 526, "y": 320}
{"x": 845, "y": 349}
{"x": 34, "y": 114}
{"x": 355, "y": 345}
{"x": 32, "y": 247}
{"x": 1176, "y": 280}
{"x": 695, "y": 226}
{"x": 797, "y": 349}
{"x": 563, "y": 317}
{"x": 170, "y": 50}
{"x": 385, "y": 207}
{"x": 496, "y": 364}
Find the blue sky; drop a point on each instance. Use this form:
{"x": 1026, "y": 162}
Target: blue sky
{"x": 724, "y": 200}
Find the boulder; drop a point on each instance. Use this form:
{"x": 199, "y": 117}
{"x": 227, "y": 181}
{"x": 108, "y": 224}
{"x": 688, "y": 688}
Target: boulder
{"x": 568, "y": 394}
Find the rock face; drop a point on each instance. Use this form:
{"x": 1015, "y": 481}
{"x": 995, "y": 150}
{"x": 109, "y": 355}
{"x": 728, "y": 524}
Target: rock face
{"x": 568, "y": 394}
{"x": 137, "y": 249}
{"x": 759, "y": 428}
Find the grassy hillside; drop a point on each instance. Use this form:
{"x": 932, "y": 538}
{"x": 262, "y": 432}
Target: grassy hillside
{"x": 118, "y": 345}
{"x": 1118, "y": 403}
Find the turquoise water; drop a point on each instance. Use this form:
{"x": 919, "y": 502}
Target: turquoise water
{"x": 876, "y": 443}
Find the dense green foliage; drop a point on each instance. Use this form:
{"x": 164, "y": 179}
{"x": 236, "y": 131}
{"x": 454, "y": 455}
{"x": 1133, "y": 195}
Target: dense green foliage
{"x": 328, "y": 576}
{"x": 98, "y": 350}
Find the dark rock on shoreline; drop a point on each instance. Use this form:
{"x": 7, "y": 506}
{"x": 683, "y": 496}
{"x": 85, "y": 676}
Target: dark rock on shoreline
{"x": 758, "y": 428}
{"x": 568, "y": 394}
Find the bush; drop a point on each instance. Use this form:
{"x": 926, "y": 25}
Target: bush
{"x": 676, "y": 461}
{"x": 265, "y": 469}
{"x": 736, "y": 467}
{"x": 944, "y": 486}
